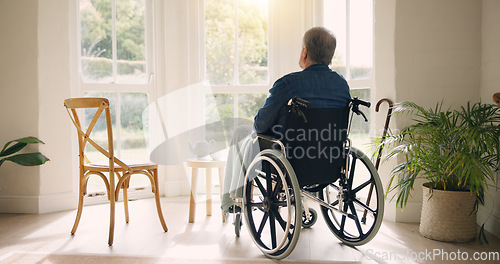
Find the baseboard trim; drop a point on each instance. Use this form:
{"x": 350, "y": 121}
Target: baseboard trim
{"x": 410, "y": 214}
{"x": 491, "y": 222}
{"x": 38, "y": 204}
{"x": 176, "y": 188}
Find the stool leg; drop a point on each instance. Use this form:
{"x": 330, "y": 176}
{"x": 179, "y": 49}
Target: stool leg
{"x": 221, "y": 176}
{"x": 192, "y": 199}
{"x": 209, "y": 191}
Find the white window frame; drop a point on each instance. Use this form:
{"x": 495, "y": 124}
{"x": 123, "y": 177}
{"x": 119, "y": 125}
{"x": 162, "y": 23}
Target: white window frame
{"x": 318, "y": 18}
{"x": 354, "y": 84}
{"x": 148, "y": 87}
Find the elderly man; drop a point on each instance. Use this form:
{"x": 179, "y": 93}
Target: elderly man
{"x": 316, "y": 83}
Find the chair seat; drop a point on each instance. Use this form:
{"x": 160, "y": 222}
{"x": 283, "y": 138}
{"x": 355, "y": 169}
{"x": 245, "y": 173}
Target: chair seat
{"x": 134, "y": 165}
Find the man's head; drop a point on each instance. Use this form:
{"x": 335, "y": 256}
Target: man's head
{"x": 319, "y": 46}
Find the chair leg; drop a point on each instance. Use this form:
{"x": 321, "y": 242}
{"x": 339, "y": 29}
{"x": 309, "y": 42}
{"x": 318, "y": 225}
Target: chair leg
{"x": 157, "y": 200}
{"x": 125, "y": 199}
{"x": 111, "y": 214}
{"x": 79, "y": 211}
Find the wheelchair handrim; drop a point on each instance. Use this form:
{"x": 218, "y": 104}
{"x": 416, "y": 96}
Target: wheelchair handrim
{"x": 275, "y": 253}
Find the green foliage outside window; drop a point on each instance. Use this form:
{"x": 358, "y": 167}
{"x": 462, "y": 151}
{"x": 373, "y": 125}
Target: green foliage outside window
{"x": 230, "y": 48}
{"x": 96, "y": 38}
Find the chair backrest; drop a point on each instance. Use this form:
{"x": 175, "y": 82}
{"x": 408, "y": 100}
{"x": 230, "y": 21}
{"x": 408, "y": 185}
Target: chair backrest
{"x": 314, "y": 140}
{"x": 84, "y": 137}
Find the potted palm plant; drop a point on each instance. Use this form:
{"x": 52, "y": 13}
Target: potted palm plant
{"x": 457, "y": 153}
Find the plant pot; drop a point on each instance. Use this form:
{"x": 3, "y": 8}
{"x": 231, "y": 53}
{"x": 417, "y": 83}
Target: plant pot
{"x": 448, "y": 215}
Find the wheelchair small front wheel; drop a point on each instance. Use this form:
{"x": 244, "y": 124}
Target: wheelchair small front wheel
{"x": 237, "y": 224}
{"x": 362, "y": 201}
{"x": 272, "y": 204}
{"x": 307, "y": 223}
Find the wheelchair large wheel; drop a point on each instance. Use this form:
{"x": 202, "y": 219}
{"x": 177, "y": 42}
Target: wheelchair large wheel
{"x": 272, "y": 204}
{"x": 364, "y": 214}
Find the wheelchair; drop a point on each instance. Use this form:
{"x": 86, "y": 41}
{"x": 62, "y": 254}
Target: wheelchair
{"x": 311, "y": 160}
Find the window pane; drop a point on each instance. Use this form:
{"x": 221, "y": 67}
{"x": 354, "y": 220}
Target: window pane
{"x": 220, "y": 41}
{"x": 100, "y": 136}
{"x": 236, "y": 57}
{"x": 361, "y": 39}
{"x": 130, "y": 41}
{"x": 249, "y": 104}
{"x": 335, "y": 20}
{"x": 252, "y": 41}
{"x": 134, "y": 127}
{"x": 219, "y": 117}
{"x": 96, "y": 46}
{"x": 134, "y": 132}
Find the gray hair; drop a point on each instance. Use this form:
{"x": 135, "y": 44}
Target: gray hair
{"x": 320, "y": 43}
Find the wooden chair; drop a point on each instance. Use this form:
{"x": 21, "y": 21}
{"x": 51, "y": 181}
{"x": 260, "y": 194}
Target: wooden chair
{"x": 113, "y": 167}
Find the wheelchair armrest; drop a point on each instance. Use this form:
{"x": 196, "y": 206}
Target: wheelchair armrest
{"x": 271, "y": 141}
{"x": 265, "y": 137}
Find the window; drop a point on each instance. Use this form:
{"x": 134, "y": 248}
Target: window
{"x": 237, "y": 53}
{"x": 236, "y": 42}
{"x": 115, "y": 62}
{"x": 113, "y": 42}
{"x": 236, "y": 61}
{"x": 352, "y": 24}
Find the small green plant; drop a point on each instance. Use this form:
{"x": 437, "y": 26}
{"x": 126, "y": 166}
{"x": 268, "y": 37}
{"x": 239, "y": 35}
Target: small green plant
{"x": 23, "y": 159}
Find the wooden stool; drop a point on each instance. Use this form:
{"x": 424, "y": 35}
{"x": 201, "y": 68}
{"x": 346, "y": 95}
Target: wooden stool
{"x": 196, "y": 164}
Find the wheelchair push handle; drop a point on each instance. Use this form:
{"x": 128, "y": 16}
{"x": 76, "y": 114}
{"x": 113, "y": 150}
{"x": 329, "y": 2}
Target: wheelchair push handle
{"x": 355, "y": 103}
{"x": 358, "y": 101}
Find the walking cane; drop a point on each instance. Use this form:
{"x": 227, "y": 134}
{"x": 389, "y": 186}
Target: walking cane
{"x": 377, "y": 163}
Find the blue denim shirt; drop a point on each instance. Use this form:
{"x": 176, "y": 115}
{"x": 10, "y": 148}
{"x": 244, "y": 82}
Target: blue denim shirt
{"x": 318, "y": 84}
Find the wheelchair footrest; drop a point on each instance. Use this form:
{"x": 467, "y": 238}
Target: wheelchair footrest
{"x": 234, "y": 209}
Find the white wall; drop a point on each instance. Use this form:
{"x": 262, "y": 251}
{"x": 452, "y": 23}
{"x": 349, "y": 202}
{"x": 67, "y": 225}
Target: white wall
{"x": 490, "y": 84}
{"x": 35, "y": 80}
{"x": 18, "y": 96}
{"x": 425, "y": 52}
{"x": 428, "y": 51}
{"x": 385, "y": 75}
{"x": 57, "y": 191}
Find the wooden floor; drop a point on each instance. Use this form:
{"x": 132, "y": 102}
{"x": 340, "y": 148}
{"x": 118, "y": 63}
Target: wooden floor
{"x": 209, "y": 238}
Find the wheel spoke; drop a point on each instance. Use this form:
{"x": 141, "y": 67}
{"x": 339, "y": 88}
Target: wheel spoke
{"x": 351, "y": 173}
{"x": 272, "y": 225}
{"x": 269, "y": 181}
{"x": 365, "y": 207}
{"x": 335, "y": 203}
{"x": 342, "y": 222}
{"x": 281, "y": 203}
{"x": 282, "y": 223}
{"x": 356, "y": 220}
{"x": 261, "y": 187}
{"x": 258, "y": 205}
{"x": 357, "y": 189}
{"x": 263, "y": 223}
{"x": 277, "y": 187}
